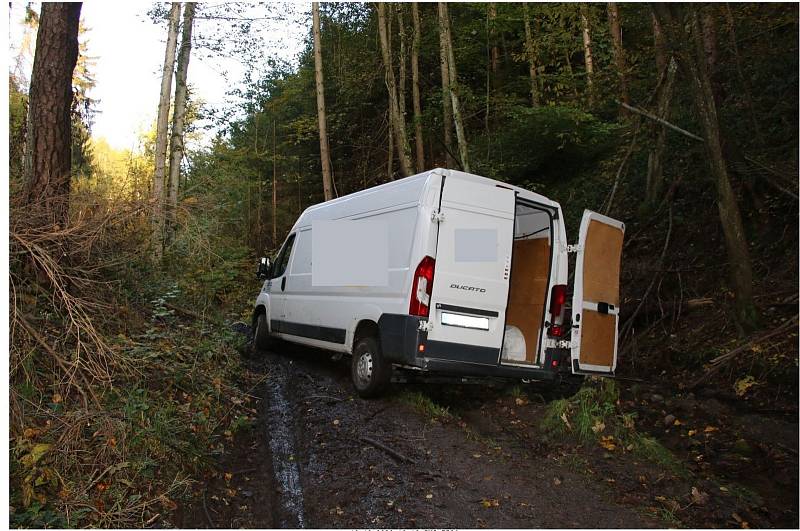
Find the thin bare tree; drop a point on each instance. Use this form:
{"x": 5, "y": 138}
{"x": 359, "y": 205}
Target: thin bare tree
{"x": 530, "y": 51}
{"x": 179, "y": 117}
{"x": 397, "y": 120}
{"x": 415, "y": 43}
{"x": 615, "y": 26}
{"x": 587, "y": 51}
{"x": 162, "y": 123}
{"x": 447, "y": 106}
{"x": 324, "y": 150}
{"x": 463, "y": 150}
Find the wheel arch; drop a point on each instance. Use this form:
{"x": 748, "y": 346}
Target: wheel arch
{"x": 258, "y": 310}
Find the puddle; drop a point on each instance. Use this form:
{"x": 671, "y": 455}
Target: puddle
{"x": 281, "y": 443}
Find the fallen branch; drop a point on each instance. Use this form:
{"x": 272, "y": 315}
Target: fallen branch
{"x": 57, "y": 357}
{"x": 720, "y": 361}
{"x": 391, "y": 451}
{"x": 662, "y": 122}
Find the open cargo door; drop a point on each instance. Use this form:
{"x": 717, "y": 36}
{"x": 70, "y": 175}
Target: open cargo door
{"x": 595, "y": 302}
{"x": 473, "y": 264}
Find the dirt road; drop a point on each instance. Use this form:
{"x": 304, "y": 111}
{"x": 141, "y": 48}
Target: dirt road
{"x": 321, "y": 457}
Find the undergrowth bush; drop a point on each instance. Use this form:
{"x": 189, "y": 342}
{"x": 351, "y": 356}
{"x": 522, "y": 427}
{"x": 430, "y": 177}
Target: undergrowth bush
{"x": 124, "y": 379}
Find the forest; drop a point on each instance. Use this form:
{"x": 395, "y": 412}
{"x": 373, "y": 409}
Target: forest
{"x": 135, "y": 397}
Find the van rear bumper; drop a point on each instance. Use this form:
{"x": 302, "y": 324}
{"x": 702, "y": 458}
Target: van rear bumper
{"x": 400, "y": 340}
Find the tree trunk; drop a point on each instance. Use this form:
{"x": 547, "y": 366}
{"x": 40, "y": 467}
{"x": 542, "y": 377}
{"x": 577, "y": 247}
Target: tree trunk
{"x": 397, "y": 122}
{"x": 162, "y": 123}
{"x": 530, "y": 50}
{"x": 447, "y": 106}
{"x": 401, "y": 86}
{"x": 48, "y": 157}
{"x": 274, "y": 182}
{"x": 390, "y": 151}
{"x": 324, "y": 151}
{"x": 179, "y": 117}
{"x": 494, "y": 51}
{"x": 619, "y": 52}
{"x": 390, "y": 154}
{"x": 587, "y": 52}
{"x": 415, "y": 89}
{"x": 660, "y": 46}
{"x": 655, "y": 163}
{"x": 463, "y": 151}
{"x": 692, "y": 61}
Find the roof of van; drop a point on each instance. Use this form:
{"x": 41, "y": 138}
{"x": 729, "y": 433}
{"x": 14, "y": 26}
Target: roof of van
{"x": 406, "y": 190}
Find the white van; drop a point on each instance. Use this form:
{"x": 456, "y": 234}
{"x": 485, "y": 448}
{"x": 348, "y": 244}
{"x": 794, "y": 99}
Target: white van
{"x": 446, "y": 273}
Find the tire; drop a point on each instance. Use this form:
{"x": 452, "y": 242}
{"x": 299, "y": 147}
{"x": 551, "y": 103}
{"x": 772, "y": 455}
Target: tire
{"x": 369, "y": 371}
{"x": 261, "y": 339}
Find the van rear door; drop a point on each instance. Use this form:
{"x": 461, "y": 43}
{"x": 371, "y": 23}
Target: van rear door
{"x": 473, "y": 265}
{"x": 595, "y": 301}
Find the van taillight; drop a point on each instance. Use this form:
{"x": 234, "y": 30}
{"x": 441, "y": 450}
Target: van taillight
{"x": 558, "y": 299}
{"x": 422, "y": 288}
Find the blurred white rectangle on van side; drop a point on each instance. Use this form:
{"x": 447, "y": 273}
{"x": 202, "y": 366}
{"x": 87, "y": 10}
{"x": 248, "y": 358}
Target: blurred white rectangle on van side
{"x": 349, "y": 253}
{"x": 476, "y": 245}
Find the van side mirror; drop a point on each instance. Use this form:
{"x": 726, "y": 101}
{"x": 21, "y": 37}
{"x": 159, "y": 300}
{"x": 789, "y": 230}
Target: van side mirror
{"x": 264, "y": 266}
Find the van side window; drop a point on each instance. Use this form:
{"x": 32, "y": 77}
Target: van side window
{"x": 283, "y": 258}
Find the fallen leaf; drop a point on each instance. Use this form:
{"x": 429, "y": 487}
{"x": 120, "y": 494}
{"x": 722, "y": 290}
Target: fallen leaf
{"x": 599, "y": 426}
{"x": 429, "y": 496}
{"x": 520, "y": 401}
{"x": 710, "y": 429}
{"x": 228, "y": 476}
{"x": 30, "y": 433}
{"x": 699, "y": 497}
{"x": 56, "y": 398}
{"x": 743, "y": 385}
{"x": 490, "y": 503}
{"x": 564, "y": 419}
{"x": 607, "y": 442}
{"x": 692, "y": 432}
{"x": 476, "y": 456}
{"x": 35, "y": 454}
{"x": 677, "y": 423}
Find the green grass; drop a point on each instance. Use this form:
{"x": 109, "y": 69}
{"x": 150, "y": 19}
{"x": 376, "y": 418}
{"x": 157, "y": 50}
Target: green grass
{"x": 668, "y": 517}
{"x": 649, "y": 448}
{"x": 579, "y": 414}
{"x": 593, "y": 412}
{"x": 424, "y": 405}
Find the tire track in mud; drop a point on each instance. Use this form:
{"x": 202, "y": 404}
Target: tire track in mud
{"x": 280, "y": 434}
{"x": 331, "y": 478}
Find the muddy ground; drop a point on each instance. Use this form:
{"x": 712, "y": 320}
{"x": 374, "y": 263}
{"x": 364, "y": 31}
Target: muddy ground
{"x": 320, "y": 457}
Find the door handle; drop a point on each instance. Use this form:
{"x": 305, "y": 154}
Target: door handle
{"x": 283, "y": 283}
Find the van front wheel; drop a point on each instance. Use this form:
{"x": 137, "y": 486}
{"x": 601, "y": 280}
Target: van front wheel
{"x": 369, "y": 371}
{"x": 261, "y": 333}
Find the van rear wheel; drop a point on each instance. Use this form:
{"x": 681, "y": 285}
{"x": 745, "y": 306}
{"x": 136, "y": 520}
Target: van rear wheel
{"x": 369, "y": 371}
{"x": 261, "y": 337}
